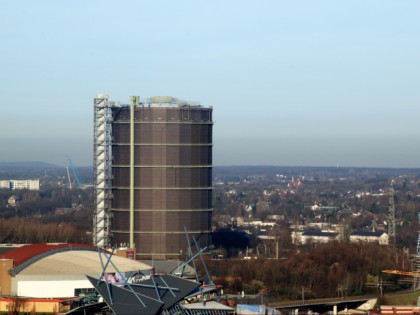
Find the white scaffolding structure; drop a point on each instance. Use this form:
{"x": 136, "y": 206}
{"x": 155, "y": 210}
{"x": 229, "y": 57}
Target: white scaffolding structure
{"x": 102, "y": 159}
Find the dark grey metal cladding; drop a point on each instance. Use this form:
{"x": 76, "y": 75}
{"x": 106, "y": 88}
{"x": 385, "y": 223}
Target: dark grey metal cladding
{"x": 157, "y": 293}
{"x": 123, "y": 301}
{"x": 172, "y": 178}
{"x": 182, "y": 288}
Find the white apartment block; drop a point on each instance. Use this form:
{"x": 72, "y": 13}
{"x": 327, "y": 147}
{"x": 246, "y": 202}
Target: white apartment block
{"x": 31, "y": 184}
{"x": 4, "y": 184}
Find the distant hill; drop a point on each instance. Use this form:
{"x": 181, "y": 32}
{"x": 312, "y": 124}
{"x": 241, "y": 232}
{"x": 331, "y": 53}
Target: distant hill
{"x": 28, "y": 170}
{"x": 310, "y": 171}
{"x": 27, "y": 164}
{"x": 38, "y": 169}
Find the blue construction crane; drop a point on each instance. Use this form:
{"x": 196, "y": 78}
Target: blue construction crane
{"x": 74, "y": 172}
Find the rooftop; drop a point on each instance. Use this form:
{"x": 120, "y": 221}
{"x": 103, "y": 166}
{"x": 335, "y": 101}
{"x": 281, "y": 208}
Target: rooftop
{"x": 367, "y": 233}
{"x": 59, "y": 258}
{"x": 157, "y": 101}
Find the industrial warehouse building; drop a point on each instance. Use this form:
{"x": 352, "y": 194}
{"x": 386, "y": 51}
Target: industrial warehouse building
{"x": 152, "y": 174}
{"x": 54, "y": 271}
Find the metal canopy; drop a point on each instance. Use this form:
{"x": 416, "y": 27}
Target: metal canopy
{"x": 148, "y": 297}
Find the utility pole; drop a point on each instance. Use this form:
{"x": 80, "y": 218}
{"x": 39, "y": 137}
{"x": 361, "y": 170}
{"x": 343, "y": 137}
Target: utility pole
{"x": 303, "y": 294}
{"x": 380, "y": 287}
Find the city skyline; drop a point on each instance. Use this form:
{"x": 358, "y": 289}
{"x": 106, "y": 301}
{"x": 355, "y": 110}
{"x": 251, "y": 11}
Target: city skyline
{"x": 296, "y": 84}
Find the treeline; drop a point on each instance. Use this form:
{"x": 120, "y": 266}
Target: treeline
{"x": 21, "y": 230}
{"x": 327, "y": 270}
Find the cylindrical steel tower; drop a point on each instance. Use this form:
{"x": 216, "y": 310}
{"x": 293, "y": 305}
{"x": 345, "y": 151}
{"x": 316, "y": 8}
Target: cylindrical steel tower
{"x": 161, "y": 175}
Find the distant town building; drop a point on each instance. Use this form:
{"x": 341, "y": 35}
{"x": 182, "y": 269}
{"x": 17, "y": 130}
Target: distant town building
{"x": 369, "y": 237}
{"x": 276, "y": 217}
{"x": 316, "y": 207}
{"x": 251, "y": 222}
{"x": 31, "y": 184}
{"x": 4, "y": 184}
{"x": 295, "y": 183}
{"x": 265, "y": 235}
{"x": 305, "y": 237}
{"x": 11, "y": 201}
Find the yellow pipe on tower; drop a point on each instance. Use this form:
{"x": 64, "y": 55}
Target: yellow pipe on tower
{"x": 134, "y": 100}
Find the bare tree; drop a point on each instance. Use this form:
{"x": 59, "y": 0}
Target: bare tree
{"x": 17, "y": 305}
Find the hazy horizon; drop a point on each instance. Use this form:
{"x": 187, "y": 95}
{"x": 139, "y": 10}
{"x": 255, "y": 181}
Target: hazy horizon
{"x": 63, "y": 165}
{"x": 291, "y": 84}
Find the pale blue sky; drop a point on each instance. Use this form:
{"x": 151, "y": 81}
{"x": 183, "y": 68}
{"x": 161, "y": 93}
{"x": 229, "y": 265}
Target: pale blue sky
{"x": 294, "y": 83}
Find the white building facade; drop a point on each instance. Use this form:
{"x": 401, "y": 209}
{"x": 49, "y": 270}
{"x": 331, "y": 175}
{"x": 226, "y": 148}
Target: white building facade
{"x": 31, "y": 184}
{"x": 381, "y": 238}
